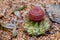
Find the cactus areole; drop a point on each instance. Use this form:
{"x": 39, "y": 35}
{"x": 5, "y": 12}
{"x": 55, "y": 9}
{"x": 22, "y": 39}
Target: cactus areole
{"x": 36, "y": 14}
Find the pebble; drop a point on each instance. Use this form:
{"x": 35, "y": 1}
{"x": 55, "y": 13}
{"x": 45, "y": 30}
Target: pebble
{"x": 51, "y": 32}
{"x": 18, "y": 14}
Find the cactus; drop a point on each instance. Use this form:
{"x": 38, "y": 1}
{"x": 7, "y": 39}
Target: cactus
{"x": 36, "y": 28}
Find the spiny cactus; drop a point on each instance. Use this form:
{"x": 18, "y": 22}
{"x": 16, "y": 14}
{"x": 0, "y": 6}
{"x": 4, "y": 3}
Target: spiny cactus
{"x": 36, "y": 28}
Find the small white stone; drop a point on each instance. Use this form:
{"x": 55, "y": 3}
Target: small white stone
{"x": 17, "y": 13}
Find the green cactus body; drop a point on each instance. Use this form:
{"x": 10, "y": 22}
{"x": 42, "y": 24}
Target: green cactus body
{"x": 36, "y": 28}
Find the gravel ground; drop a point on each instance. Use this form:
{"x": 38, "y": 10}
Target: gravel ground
{"x": 6, "y": 8}
{"x": 53, "y": 34}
